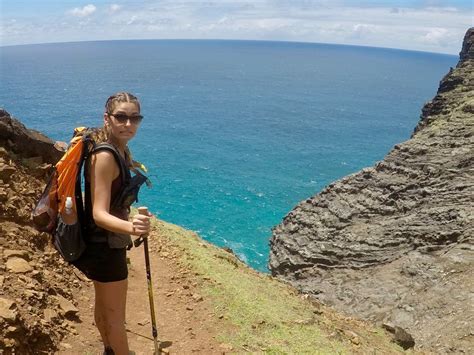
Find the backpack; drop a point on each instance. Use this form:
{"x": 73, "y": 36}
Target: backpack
{"x": 60, "y": 210}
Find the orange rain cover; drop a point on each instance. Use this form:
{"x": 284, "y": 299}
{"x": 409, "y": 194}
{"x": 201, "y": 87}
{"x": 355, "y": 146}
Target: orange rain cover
{"x": 67, "y": 169}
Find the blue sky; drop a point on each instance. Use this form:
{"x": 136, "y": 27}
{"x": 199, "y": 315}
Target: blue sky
{"x": 425, "y": 25}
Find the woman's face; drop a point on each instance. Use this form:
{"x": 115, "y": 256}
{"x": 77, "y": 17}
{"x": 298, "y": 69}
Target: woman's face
{"x": 123, "y": 121}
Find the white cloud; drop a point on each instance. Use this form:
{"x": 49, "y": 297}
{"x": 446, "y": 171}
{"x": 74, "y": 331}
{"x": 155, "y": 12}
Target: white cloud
{"x": 435, "y": 35}
{"x": 115, "y": 8}
{"x": 431, "y": 28}
{"x": 84, "y": 11}
{"x": 442, "y": 9}
{"x": 440, "y": 37}
{"x": 132, "y": 20}
{"x": 223, "y": 19}
{"x": 361, "y": 30}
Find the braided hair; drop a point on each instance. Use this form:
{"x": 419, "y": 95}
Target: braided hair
{"x": 102, "y": 135}
{"x": 120, "y": 97}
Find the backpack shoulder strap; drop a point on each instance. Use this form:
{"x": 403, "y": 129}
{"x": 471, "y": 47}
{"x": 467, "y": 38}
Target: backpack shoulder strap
{"x": 124, "y": 170}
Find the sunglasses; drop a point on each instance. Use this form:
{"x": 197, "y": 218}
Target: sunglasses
{"x": 122, "y": 118}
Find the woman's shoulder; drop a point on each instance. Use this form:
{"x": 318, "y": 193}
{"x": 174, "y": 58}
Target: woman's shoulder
{"x": 103, "y": 156}
{"x": 104, "y": 160}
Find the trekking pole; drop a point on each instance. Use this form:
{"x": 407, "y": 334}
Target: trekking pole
{"x": 144, "y": 238}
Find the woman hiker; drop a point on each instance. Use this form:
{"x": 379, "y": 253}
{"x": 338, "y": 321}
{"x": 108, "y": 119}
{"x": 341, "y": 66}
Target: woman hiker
{"x": 108, "y": 232}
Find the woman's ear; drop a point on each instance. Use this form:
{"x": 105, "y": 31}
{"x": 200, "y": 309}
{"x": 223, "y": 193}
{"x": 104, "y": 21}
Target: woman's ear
{"x": 106, "y": 119}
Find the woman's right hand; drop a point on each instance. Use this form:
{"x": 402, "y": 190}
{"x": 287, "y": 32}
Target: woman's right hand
{"x": 141, "y": 224}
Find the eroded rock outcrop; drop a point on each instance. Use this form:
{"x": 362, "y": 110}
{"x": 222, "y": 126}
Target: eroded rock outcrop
{"x": 394, "y": 243}
{"x": 34, "y": 282}
{"x": 27, "y": 143}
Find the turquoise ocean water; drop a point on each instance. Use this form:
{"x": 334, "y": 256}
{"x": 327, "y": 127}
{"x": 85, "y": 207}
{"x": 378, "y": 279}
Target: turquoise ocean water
{"x": 236, "y": 133}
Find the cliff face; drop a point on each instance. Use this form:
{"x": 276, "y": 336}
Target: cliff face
{"x": 394, "y": 243}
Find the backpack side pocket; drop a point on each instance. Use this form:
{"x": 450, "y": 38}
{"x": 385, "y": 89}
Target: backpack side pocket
{"x": 45, "y": 213}
{"x": 68, "y": 240}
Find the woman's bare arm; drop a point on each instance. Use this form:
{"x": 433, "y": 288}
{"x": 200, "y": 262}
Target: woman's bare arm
{"x": 104, "y": 170}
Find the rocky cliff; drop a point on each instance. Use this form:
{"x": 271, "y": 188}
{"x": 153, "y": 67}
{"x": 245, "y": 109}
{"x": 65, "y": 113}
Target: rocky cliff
{"x": 394, "y": 243}
{"x": 36, "y": 288}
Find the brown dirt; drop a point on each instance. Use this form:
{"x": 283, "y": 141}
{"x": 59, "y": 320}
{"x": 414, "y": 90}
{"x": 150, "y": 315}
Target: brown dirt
{"x": 185, "y": 323}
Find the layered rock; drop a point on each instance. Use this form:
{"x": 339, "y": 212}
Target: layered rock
{"x": 27, "y": 143}
{"x": 394, "y": 243}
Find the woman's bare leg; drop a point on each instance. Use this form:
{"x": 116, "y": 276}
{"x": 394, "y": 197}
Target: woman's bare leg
{"x": 113, "y": 299}
{"x": 99, "y": 314}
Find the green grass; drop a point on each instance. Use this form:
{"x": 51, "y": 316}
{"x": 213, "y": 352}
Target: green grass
{"x": 262, "y": 314}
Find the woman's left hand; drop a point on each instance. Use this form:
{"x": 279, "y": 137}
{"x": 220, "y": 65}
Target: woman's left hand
{"x": 141, "y": 224}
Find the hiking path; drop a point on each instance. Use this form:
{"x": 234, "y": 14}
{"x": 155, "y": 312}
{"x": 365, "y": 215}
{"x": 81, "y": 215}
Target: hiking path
{"x": 185, "y": 322}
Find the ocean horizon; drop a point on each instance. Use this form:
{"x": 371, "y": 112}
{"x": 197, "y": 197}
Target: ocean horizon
{"x": 236, "y": 132}
{"x": 226, "y": 40}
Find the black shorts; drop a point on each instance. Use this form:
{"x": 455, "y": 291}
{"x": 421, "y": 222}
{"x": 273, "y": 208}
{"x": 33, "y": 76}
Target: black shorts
{"x": 101, "y": 263}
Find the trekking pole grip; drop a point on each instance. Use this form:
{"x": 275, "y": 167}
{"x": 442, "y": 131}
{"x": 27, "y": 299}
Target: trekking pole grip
{"x": 143, "y": 211}
{"x": 140, "y": 239}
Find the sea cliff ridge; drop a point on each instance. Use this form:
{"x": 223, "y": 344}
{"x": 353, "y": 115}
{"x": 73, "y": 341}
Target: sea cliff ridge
{"x": 393, "y": 243}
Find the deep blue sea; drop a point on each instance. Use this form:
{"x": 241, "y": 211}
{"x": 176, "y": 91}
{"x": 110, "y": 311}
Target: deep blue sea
{"x": 235, "y": 133}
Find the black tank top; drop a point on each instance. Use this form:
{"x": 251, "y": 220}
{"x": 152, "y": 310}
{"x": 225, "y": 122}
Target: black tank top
{"x": 94, "y": 233}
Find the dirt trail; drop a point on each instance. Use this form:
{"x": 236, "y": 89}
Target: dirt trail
{"x": 186, "y": 323}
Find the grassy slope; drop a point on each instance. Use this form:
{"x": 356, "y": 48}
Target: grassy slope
{"x": 261, "y": 313}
